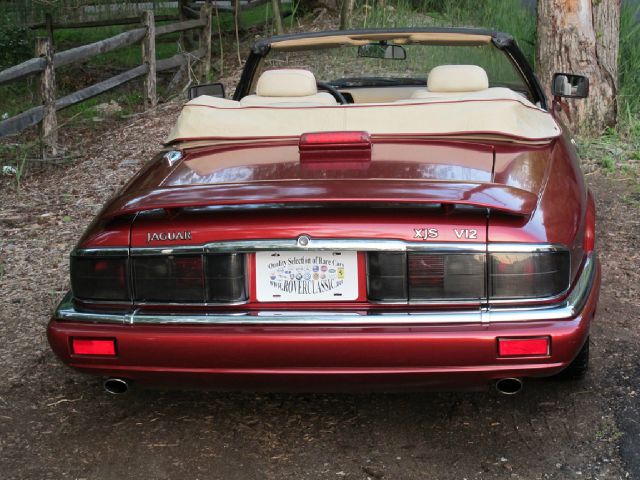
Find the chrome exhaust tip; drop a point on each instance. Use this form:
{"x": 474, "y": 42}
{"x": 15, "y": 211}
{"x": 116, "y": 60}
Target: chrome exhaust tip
{"x": 116, "y": 386}
{"x": 509, "y": 386}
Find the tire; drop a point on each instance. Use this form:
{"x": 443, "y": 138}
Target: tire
{"x": 579, "y": 367}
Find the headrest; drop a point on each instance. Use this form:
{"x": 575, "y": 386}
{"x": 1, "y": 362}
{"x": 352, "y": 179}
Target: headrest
{"x": 457, "y": 78}
{"x": 286, "y": 83}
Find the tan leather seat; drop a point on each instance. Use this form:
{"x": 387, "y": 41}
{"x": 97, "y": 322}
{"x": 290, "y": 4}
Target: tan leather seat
{"x": 287, "y": 88}
{"x": 447, "y": 80}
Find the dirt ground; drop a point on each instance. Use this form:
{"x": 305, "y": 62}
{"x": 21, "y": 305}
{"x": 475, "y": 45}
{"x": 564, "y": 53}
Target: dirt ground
{"x": 55, "y": 423}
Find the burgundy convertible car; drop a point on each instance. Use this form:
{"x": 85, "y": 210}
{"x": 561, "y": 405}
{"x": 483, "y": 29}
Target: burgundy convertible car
{"x": 373, "y": 209}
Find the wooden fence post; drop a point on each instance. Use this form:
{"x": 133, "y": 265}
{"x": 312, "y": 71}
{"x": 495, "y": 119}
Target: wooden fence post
{"x": 205, "y": 39}
{"x": 149, "y": 58}
{"x": 48, "y": 95}
{"x": 186, "y": 37}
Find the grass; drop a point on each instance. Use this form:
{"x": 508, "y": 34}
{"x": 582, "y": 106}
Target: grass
{"x": 629, "y": 71}
{"x": 16, "y": 157}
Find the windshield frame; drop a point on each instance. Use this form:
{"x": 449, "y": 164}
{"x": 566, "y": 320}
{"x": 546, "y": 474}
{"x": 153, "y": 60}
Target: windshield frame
{"x": 440, "y": 36}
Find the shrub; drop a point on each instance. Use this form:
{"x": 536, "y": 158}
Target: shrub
{"x": 16, "y": 43}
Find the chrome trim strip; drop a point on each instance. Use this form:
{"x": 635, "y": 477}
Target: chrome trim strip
{"x": 351, "y": 244}
{"x": 497, "y": 247}
{"x": 306, "y": 243}
{"x": 101, "y": 252}
{"x": 480, "y": 316}
{"x": 189, "y": 304}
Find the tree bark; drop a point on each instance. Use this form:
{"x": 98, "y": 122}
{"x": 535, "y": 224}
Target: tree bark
{"x": 149, "y": 58}
{"x": 205, "y": 40}
{"x": 44, "y": 49}
{"x": 277, "y": 16}
{"x": 581, "y": 37}
{"x": 346, "y": 12}
{"x": 220, "y": 43}
{"x": 186, "y": 37}
{"x": 236, "y": 21}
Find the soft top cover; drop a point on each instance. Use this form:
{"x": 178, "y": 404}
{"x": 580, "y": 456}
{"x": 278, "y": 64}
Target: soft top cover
{"x": 495, "y": 111}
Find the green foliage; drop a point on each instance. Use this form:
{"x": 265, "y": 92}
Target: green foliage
{"x": 608, "y": 163}
{"x": 504, "y": 15}
{"x": 614, "y": 152}
{"x": 16, "y": 43}
{"x": 15, "y": 156}
{"x": 628, "y": 69}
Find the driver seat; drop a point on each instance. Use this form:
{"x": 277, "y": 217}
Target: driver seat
{"x": 288, "y": 88}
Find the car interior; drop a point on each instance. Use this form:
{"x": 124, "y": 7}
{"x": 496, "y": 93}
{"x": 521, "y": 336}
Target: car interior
{"x": 298, "y": 87}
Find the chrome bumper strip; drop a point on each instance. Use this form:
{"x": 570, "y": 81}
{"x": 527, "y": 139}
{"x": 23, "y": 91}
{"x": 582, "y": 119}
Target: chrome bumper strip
{"x": 481, "y": 316}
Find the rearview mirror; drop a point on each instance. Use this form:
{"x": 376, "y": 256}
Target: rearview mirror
{"x": 380, "y": 50}
{"x": 570, "y": 86}
{"x": 210, "y": 89}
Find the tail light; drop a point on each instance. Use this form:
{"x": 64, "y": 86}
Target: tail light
{"x": 428, "y": 277}
{"x": 387, "y": 275}
{"x": 332, "y": 147}
{"x": 225, "y": 274}
{"x": 169, "y": 278}
{"x": 216, "y": 278}
{"x": 528, "y": 275}
{"x": 425, "y": 276}
{"x": 100, "y": 278}
{"x": 446, "y": 277}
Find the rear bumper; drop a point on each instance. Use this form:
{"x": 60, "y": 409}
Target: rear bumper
{"x": 330, "y": 352}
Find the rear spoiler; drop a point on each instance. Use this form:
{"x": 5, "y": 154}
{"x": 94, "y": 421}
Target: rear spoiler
{"x": 493, "y": 196}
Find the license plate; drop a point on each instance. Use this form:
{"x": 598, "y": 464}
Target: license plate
{"x": 306, "y": 276}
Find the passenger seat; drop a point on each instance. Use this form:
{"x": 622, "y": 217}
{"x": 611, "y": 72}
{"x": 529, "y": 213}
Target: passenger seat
{"x": 448, "y": 80}
{"x": 287, "y": 88}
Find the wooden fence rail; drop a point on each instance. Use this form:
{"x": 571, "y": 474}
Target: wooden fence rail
{"x": 47, "y": 62}
{"x": 102, "y": 23}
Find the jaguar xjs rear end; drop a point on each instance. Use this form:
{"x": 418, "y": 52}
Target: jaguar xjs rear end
{"x": 370, "y": 256}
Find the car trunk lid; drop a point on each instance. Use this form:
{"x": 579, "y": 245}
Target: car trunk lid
{"x": 400, "y": 173}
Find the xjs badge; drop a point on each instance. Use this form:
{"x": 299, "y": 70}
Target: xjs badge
{"x": 168, "y": 236}
{"x": 425, "y": 233}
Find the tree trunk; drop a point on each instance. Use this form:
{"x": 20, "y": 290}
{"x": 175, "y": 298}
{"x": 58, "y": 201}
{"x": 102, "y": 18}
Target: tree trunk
{"x": 346, "y": 13}
{"x": 149, "y": 57}
{"x": 581, "y": 37}
{"x": 205, "y": 40}
{"x": 277, "y": 16}
{"x": 186, "y": 37}
{"x": 236, "y": 21}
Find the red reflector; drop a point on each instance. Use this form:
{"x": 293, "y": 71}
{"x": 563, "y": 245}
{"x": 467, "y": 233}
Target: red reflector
{"x": 84, "y": 346}
{"x": 590, "y": 226}
{"x": 523, "y": 347}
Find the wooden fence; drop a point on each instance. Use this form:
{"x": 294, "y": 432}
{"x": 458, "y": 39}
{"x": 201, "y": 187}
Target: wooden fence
{"x": 47, "y": 61}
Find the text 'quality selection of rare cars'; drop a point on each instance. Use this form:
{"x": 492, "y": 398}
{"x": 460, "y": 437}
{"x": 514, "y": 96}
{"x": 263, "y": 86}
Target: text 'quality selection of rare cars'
{"x": 396, "y": 209}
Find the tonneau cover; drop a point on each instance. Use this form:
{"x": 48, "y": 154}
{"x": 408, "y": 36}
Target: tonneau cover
{"x": 495, "y": 111}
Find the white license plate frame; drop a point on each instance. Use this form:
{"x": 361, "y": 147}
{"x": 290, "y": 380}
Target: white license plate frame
{"x": 314, "y": 276}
